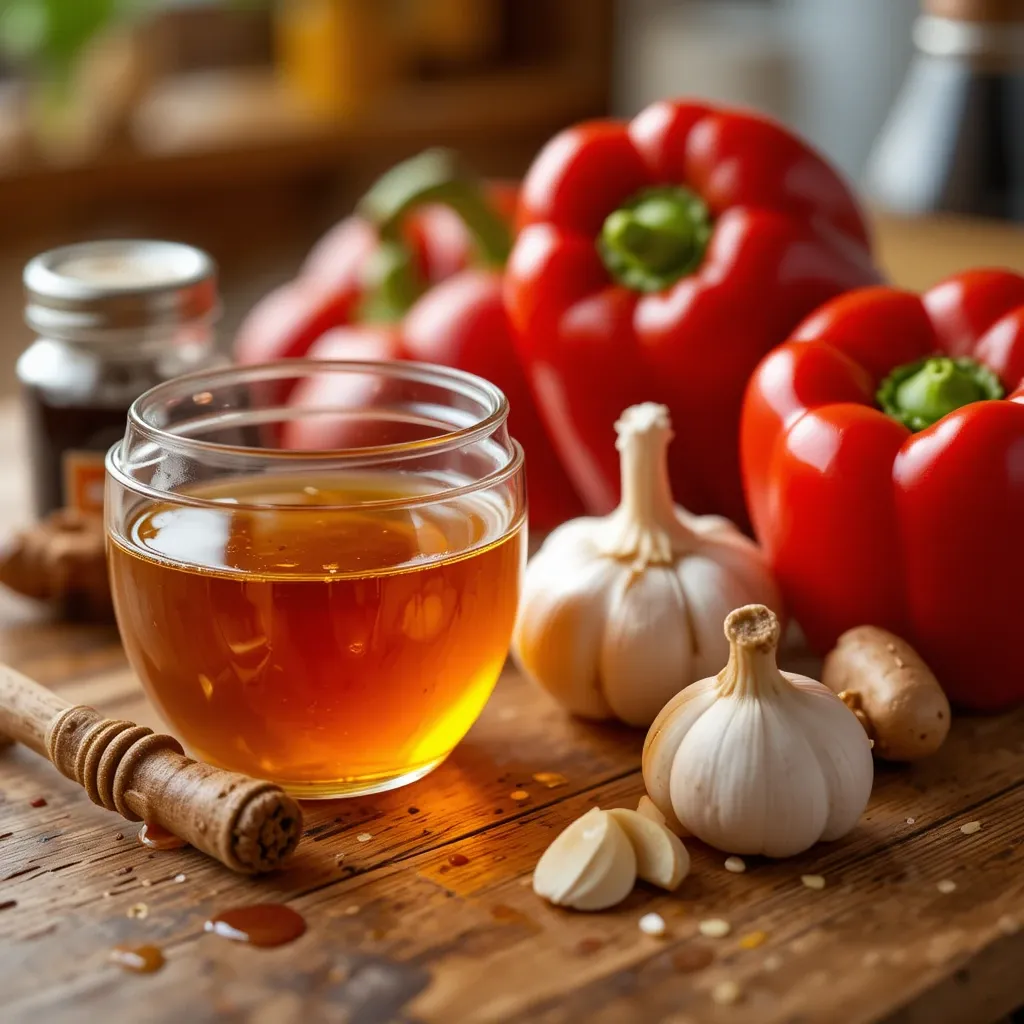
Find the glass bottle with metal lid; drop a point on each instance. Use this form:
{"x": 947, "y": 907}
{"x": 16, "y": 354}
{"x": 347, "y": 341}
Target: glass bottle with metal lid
{"x": 113, "y": 318}
{"x": 954, "y": 141}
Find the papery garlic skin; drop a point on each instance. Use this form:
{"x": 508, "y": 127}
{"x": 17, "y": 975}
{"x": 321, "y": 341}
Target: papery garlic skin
{"x": 758, "y": 761}
{"x": 621, "y": 612}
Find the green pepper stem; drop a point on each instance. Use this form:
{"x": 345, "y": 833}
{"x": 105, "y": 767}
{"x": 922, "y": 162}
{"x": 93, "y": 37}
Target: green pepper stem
{"x": 921, "y": 393}
{"x": 433, "y": 177}
{"x": 656, "y": 238}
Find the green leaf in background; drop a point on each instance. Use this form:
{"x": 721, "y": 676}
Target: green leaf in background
{"x": 52, "y": 32}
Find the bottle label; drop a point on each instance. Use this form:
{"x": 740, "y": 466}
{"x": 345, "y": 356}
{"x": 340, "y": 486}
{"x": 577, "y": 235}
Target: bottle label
{"x": 84, "y": 476}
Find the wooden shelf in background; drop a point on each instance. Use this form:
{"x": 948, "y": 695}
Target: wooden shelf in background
{"x": 206, "y": 129}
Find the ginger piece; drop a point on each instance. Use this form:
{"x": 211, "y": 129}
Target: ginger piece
{"x": 62, "y": 560}
{"x": 891, "y": 690}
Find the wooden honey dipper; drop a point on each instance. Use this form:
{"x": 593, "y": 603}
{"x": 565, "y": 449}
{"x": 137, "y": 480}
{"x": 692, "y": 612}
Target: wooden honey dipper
{"x": 247, "y": 824}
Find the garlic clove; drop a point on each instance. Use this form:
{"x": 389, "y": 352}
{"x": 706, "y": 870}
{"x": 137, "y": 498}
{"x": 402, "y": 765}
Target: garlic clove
{"x": 612, "y": 874}
{"x": 590, "y": 865}
{"x": 847, "y": 767}
{"x": 649, "y": 809}
{"x": 727, "y": 572}
{"x": 666, "y": 733}
{"x": 647, "y": 647}
{"x": 661, "y": 858}
{"x": 557, "y": 637}
{"x": 569, "y": 856}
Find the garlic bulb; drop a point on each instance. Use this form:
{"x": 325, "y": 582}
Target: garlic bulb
{"x": 620, "y": 613}
{"x": 755, "y": 760}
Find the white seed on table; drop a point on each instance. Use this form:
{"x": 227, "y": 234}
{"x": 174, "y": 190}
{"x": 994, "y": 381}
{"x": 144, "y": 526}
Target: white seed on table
{"x": 714, "y": 928}
{"x": 946, "y": 886}
{"x": 970, "y": 828}
{"x": 813, "y": 881}
{"x": 652, "y": 924}
{"x": 726, "y": 993}
{"x": 735, "y": 864}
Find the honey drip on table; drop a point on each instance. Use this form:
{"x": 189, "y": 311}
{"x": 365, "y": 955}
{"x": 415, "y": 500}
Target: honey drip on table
{"x": 264, "y": 924}
{"x": 692, "y": 958}
{"x": 156, "y": 837}
{"x": 140, "y": 959}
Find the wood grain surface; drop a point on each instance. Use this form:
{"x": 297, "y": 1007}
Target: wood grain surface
{"x": 397, "y": 932}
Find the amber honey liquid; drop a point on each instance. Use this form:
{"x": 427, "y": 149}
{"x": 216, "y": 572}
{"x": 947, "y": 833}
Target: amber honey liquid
{"x": 334, "y": 651}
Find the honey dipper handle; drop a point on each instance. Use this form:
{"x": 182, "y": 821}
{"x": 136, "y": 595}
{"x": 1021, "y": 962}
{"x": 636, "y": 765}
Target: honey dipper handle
{"x": 27, "y": 709}
{"x": 247, "y": 824}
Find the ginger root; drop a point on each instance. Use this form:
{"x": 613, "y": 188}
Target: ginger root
{"x": 890, "y": 689}
{"x": 62, "y": 560}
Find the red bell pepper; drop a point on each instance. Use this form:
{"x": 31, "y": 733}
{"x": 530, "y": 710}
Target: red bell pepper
{"x": 886, "y": 474}
{"x": 460, "y": 322}
{"x": 341, "y": 281}
{"x": 660, "y": 260}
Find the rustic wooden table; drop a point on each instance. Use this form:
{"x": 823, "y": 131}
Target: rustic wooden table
{"x": 397, "y": 932}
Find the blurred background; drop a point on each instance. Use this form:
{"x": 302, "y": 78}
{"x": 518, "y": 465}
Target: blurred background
{"x": 248, "y": 127}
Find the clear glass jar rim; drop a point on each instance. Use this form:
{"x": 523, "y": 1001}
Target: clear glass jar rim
{"x": 457, "y": 381}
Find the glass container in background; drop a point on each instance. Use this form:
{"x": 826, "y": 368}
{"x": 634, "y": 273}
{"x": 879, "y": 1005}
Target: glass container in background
{"x": 113, "y": 319}
{"x": 332, "y": 618}
{"x": 954, "y": 141}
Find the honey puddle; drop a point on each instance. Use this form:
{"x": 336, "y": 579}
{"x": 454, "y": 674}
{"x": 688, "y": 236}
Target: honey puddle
{"x": 156, "y": 837}
{"x": 140, "y": 959}
{"x": 263, "y": 924}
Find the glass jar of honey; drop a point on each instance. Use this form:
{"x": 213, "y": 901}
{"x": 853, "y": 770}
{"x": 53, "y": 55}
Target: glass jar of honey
{"x": 113, "y": 318}
{"x": 315, "y": 565}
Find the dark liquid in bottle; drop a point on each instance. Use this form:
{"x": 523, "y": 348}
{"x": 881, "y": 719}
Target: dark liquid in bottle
{"x": 67, "y": 444}
{"x": 953, "y": 142}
